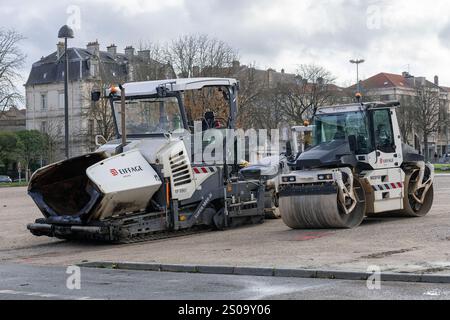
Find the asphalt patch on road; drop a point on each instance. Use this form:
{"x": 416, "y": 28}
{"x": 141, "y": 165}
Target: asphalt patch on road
{"x": 381, "y": 255}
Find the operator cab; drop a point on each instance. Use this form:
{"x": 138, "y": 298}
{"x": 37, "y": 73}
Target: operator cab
{"x": 159, "y": 107}
{"x": 364, "y": 131}
{"x": 157, "y": 111}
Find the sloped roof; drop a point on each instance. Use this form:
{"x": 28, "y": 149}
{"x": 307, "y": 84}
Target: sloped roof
{"x": 13, "y": 113}
{"x": 384, "y": 80}
{"x": 50, "y": 69}
{"x": 389, "y": 80}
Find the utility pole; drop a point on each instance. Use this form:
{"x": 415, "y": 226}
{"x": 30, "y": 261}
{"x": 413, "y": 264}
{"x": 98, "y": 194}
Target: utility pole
{"x": 66, "y": 33}
{"x": 357, "y": 62}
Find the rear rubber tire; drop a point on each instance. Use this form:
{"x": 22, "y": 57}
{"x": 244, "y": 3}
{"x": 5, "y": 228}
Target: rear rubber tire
{"x": 272, "y": 210}
{"x": 411, "y": 207}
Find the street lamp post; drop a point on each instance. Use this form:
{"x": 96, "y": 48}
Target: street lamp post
{"x": 66, "y": 33}
{"x": 357, "y": 62}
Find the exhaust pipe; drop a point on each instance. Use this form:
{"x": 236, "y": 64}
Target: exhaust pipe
{"x": 123, "y": 118}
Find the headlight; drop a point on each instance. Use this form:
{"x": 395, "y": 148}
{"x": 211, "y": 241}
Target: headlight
{"x": 288, "y": 179}
{"x": 323, "y": 177}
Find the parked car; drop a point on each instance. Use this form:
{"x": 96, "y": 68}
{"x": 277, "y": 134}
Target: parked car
{"x": 5, "y": 179}
{"x": 445, "y": 159}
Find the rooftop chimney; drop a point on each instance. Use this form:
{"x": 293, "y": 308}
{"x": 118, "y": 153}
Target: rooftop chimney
{"x": 144, "y": 55}
{"x": 59, "y": 49}
{"x": 112, "y": 50}
{"x": 436, "y": 80}
{"x": 94, "y": 48}
{"x": 419, "y": 81}
{"x": 129, "y": 51}
{"x": 270, "y": 74}
{"x": 195, "y": 71}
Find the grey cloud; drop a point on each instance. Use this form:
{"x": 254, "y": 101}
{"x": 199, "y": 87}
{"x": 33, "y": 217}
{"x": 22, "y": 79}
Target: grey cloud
{"x": 322, "y": 28}
{"x": 444, "y": 35}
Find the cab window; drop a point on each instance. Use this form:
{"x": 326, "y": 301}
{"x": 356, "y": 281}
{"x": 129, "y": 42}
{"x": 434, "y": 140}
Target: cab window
{"x": 383, "y": 134}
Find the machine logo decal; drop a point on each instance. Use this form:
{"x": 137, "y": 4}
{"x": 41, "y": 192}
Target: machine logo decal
{"x": 124, "y": 171}
{"x": 383, "y": 161}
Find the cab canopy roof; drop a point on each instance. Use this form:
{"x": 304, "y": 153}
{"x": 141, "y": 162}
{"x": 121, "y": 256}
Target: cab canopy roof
{"x": 149, "y": 88}
{"x": 357, "y": 107}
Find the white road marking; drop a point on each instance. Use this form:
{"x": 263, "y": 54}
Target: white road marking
{"x": 44, "y": 295}
{"x": 436, "y": 293}
{"x": 261, "y": 291}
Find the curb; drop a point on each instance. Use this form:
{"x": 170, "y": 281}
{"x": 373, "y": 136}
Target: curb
{"x": 270, "y": 272}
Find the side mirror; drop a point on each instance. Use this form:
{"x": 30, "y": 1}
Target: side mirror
{"x": 352, "y": 143}
{"x": 100, "y": 140}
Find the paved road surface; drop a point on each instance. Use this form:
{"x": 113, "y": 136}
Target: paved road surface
{"x": 398, "y": 245}
{"x": 33, "y": 282}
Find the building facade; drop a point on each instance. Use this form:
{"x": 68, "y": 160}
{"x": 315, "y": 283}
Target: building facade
{"x": 89, "y": 69}
{"x": 13, "y": 120}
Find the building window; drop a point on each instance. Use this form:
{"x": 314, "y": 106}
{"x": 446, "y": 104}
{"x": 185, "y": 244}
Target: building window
{"x": 43, "y": 101}
{"x": 44, "y": 126}
{"x": 61, "y": 100}
{"x": 91, "y": 128}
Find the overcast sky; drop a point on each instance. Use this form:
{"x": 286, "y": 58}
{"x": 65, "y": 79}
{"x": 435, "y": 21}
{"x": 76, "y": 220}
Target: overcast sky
{"x": 393, "y": 36}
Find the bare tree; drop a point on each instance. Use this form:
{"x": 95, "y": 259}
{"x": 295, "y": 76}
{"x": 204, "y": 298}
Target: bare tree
{"x": 406, "y": 116}
{"x": 183, "y": 54}
{"x": 52, "y": 139}
{"x": 201, "y": 56}
{"x": 99, "y": 112}
{"x": 251, "y": 90}
{"x": 427, "y": 111}
{"x": 266, "y": 111}
{"x": 195, "y": 55}
{"x": 11, "y": 60}
{"x": 153, "y": 63}
{"x": 314, "y": 88}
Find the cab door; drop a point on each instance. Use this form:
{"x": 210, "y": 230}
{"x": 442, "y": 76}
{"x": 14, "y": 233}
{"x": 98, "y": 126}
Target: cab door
{"x": 387, "y": 178}
{"x": 384, "y": 140}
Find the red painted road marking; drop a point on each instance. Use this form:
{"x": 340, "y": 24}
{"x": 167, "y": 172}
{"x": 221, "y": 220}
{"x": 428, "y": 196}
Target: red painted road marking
{"x": 312, "y": 235}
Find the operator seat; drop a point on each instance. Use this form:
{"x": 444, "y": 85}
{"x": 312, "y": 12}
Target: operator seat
{"x": 208, "y": 121}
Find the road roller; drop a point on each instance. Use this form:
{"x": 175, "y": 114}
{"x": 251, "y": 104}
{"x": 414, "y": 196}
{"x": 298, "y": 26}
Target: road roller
{"x": 357, "y": 167}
